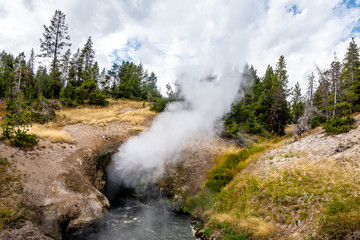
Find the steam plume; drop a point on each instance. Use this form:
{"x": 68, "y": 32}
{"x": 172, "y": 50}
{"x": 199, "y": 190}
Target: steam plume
{"x": 139, "y": 161}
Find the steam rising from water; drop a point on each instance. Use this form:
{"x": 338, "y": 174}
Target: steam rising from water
{"x": 140, "y": 160}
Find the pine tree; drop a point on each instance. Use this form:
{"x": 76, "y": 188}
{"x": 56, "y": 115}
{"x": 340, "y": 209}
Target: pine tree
{"x": 88, "y": 54}
{"x": 95, "y": 73}
{"x": 279, "y": 113}
{"x": 281, "y": 74}
{"x": 351, "y": 75}
{"x": 41, "y": 80}
{"x": 74, "y": 73}
{"x": 149, "y": 90}
{"x": 86, "y": 61}
{"x": 265, "y": 97}
{"x": 7, "y": 76}
{"x": 55, "y": 38}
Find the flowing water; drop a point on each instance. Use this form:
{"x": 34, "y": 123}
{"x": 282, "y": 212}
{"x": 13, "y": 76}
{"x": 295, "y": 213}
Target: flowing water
{"x": 137, "y": 221}
{"x": 141, "y": 219}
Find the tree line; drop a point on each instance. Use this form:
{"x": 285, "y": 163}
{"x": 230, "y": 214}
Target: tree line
{"x": 269, "y": 104}
{"x": 68, "y": 79}
{"x": 72, "y": 78}
{"x": 264, "y": 106}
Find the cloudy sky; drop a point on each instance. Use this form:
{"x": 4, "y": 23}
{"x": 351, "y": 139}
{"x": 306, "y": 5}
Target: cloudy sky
{"x": 173, "y": 36}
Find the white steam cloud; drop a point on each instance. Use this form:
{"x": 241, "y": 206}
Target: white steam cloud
{"x": 139, "y": 161}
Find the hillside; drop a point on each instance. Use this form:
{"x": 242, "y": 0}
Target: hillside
{"x": 274, "y": 189}
{"x": 56, "y": 187}
{"x": 308, "y": 189}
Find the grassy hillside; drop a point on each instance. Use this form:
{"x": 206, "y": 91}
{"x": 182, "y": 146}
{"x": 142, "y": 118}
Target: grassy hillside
{"x": 272, "y": 190}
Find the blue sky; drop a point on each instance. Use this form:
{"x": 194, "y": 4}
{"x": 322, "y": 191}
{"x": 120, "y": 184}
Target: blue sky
{"x": 126, "y": 53}
{"x": 195, "y": 37}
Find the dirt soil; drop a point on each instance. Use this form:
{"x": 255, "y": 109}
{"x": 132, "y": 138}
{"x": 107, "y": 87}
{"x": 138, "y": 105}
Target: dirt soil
{"x": 58, "y": 177}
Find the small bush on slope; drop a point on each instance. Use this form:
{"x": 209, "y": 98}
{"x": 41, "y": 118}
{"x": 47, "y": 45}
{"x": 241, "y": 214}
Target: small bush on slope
{"x": 15, "y": 129}
{"x": 338, "y": 125}
{"x": 98, "y": 98}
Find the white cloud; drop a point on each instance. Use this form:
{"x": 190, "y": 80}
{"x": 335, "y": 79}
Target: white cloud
{"x": 201, "y": 35}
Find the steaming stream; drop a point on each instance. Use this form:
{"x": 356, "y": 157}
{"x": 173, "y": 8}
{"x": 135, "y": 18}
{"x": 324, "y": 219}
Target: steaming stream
{"x": 139, "y": 162}
{"x": 142, "y": 217}
{"x": 143, "y": 222}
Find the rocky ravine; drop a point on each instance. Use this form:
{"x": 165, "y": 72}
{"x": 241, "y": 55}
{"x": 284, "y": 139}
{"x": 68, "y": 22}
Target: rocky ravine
{"x": 62, "y": 182}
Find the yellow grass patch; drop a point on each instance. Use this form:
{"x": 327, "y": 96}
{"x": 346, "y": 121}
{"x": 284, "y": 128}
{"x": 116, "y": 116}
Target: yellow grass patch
{"x": 118, "y": 110}
{"x": 230, "y": 149}
{"x": 223, "y": 217}
{"x": 255, "y": 226}
{"x": 138, "y": 128}
{"x": 136, "y": 117}
{"x": 258, "y": 227}
{"x": 48, "y": 131}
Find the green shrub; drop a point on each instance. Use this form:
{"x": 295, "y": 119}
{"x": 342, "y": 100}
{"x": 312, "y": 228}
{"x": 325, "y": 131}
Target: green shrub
{"x": 38, "y": 117}
{"x": 159, "y": 105}
{"x": 15, "y": 128}
{"x": 22, "y": 139}
{"x": 231, "y": 128}
{"x": 338, "y": 125}
{"x": 356, "y": 108}
{"x": 98, "y": 98}
{"x": 317, "y": 121}
{"x": 68, "y": 102}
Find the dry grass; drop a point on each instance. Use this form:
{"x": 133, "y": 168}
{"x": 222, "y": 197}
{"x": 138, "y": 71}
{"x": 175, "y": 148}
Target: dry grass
{"x": 118, "y": 110}
{"x": 136, "y": 117}
{"x": 132, "y": 112}
{"x": 138, "y": 128}
{"x": 50, "y": 131}
{"x": 257, "y": 227}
